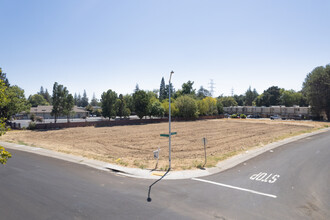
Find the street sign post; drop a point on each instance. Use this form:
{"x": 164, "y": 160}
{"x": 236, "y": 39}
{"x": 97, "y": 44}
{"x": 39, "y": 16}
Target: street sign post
{"x": 204, "y": 142}
{"x": 156, "y": 156}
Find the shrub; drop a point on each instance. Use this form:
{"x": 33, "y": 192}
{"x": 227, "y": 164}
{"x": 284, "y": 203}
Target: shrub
{"x": 33, "y": 117}
{"x": 39, "y": 119}
{"x": 32, "y": 126}
{"x": 242, "y": 116}
{"x": 233, "y": 116}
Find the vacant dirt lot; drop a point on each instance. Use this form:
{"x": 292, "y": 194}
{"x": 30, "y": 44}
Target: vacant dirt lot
{"x": 133, "y": 146}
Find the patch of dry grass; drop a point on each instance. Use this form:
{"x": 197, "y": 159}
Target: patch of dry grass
{"x": 133, "y": 145}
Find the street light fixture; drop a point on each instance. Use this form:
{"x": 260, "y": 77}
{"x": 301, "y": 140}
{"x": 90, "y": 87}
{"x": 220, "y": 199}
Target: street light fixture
{"x": 169, "y": 122}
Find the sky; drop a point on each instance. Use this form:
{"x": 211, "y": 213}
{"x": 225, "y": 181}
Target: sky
{"x": 98, "y": 45}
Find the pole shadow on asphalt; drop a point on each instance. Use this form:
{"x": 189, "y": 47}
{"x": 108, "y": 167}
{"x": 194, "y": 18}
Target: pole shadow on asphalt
{"x": 149, "y": 191}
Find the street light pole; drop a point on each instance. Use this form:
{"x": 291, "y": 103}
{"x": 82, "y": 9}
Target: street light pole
{"x": 169, "y": 122}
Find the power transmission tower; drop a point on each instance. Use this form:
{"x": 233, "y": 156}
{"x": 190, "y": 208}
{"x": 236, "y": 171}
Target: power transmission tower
{"x": 211, "y": 87}
{"x": 232, "y": 91}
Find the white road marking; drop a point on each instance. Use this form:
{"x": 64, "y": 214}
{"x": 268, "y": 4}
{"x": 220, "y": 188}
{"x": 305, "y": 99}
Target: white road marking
{"x": 235, "y": 187}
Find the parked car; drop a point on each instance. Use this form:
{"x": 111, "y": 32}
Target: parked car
{"x": 275, "y": 117}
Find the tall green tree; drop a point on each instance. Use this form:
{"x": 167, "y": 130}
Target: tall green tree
{"x": 94, "y": 101}
{"x": 317, "y": 90}
{"x": 187, "y": 88}
{"x": 157, "y": 109}
{"x": 36, "y": 100}
{"x": 122, "y": 109}
{"x": 84, "y": 100}
{"x": 141, "y": 103}
{"x": 62, "y": 102}
{"x": 250, "y": 96}
{"x": 16, "y": 102}
{"x": 187, "y": 107}
{"x": 202, "y": 93}
{"x": 269, "y": 97}
{"x": 129, "y": 102}
{"x": 162, "y": 90}
{"x": 68, "y": 104}
{"x": 108, "y": 102}
{"x": 240, "y": 99}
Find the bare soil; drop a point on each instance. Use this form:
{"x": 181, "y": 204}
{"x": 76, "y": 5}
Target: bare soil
{"x": 133, "y": 145}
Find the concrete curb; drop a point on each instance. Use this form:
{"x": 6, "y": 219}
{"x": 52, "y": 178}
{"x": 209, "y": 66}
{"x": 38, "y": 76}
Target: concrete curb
{"x": 149, "y": 174}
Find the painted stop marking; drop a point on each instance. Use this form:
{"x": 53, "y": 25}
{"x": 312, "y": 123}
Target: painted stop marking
{"x": 265, "y": 177}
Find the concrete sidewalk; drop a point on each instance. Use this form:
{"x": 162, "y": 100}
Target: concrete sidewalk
{"x": 149, "y": 174}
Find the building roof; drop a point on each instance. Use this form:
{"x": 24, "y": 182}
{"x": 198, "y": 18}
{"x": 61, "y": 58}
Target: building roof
{"x": 48, "y": 109}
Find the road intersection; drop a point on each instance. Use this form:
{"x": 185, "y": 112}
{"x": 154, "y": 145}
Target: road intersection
{"x": 287, "y": 182}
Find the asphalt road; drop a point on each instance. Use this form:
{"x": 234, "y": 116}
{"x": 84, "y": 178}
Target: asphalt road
{"x": 290, "y": 182}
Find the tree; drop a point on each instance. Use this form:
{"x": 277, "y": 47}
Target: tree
{"x": 157, "y": 109}
{"x": 317, "y": 90}
{"x": 228, "y": 101}
{"x": 271, "y": 96}
{"x": 187, "y": 88}
{"x": 212, "y": 105}
{"x": 57, "y": 110}
{"x": 240, "y": 99}
{"x": 291, "y": 97}
{"x": 4, "y": 155}
{"x": 75, "y": 99}
{"x": 129, "y": 102}
{"x": 219, "y": 107}
{"x": 62, "y": 102}
{"x": 162, "y": 90}
{"x": 16, "y": 102}
{"x": 36, "y": 100}
{"x": 141, "y": 102}
{"x": 137, "y": 88}
{"x": 84, "y": 100}
{"x": 94, "y": 101}
{"x": 187, "y": 107}
{"x": 202, "y": 93}
{"x": 108, "y": 101}
{"x": 174, "y": 110}
{"x": 47, "y": 97}
{"x": 122, "y": 110}
{"x": 4, "y": 78}
{"x": 202, "y": 107}
{"x": 250, "y": 96}
{"x": 167, "y": 90}
{"x": 79, "y": 100}
{"x": 68, "y": 104}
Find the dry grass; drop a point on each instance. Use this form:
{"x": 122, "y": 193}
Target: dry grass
{"x": 133, "y": 146}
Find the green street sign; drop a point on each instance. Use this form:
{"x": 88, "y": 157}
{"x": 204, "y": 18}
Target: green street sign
{"x": 167, "y": 135}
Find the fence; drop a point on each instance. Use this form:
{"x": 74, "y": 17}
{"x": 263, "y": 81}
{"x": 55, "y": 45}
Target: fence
{"x": 108, "y": 123}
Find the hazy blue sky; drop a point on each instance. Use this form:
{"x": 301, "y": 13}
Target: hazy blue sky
{"x": 103, "y": 44}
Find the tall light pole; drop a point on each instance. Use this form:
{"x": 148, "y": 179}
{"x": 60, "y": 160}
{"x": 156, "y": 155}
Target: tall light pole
{"x": 169, "y": 122}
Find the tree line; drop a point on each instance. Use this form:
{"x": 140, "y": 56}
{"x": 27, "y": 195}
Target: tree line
{"x": 186, "y": 102}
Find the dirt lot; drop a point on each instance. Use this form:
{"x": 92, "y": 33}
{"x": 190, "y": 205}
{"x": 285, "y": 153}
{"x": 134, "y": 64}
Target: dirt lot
{"x": 133, "y": 146}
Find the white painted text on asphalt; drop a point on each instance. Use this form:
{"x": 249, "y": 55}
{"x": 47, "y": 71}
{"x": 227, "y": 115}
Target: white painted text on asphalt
{"x": 265, "y": 177}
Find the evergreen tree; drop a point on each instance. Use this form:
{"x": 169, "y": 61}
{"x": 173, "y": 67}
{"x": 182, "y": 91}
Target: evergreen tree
{"x": 136, "y": 87}
{"x": 94, "y": 101}
{"x": 162, "y": 90}
{"x": 84, "y": 100}
{"x": 47, "y": 97}
{"x": 75, "y": 99}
